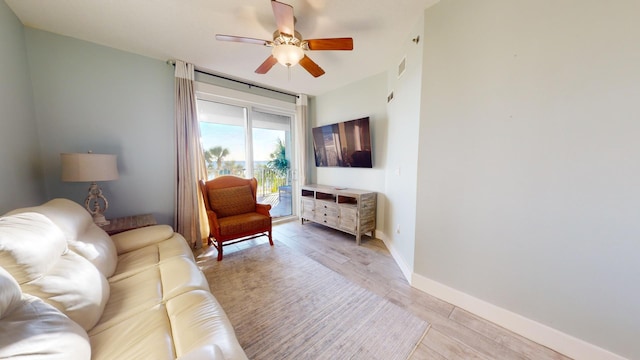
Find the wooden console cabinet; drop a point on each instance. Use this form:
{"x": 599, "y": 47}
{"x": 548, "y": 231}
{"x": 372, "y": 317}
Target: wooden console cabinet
{"x": 350, "y": 210}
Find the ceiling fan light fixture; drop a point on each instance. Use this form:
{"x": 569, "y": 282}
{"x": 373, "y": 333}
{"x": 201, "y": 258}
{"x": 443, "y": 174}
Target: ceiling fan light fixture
{"x": 287, "y": 55}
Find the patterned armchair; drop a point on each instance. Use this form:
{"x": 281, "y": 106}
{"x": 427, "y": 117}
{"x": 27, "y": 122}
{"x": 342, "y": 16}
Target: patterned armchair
{"x": 233, "y": 213}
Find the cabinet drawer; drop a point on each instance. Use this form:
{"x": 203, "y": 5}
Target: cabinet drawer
{"x": 327, "y": 219}
{"x": 326, "y": 205}
{"x": 327, "y": 213}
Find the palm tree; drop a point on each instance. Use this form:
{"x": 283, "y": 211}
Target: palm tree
{"x": 279, "y": 163}
{"x": 217, "y": 153}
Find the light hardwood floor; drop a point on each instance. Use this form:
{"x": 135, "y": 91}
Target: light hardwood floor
{"x": 453, "y": 333}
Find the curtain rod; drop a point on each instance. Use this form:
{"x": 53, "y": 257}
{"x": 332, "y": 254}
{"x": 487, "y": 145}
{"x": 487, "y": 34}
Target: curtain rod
{"x": 246, "y": 83}
{"x": 250, "y": 85}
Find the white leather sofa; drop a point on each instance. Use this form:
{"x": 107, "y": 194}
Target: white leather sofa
{"x": 69, "y": 291}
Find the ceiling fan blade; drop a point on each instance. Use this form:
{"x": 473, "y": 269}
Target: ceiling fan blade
{"x": 266, "y": 65}
{"x": 284, "y": 17}
{"x": 311, "y": 66}
{"x": 331, "y": 44}
{"x": 241, "y": 39}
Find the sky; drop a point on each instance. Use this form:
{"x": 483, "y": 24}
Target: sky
{"x": 233, "y": 138}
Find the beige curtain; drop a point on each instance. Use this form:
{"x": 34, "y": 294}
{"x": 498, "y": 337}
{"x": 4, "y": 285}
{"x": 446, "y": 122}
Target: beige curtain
{"x": 301, "y": 139}
{"x": 190, "y": 218}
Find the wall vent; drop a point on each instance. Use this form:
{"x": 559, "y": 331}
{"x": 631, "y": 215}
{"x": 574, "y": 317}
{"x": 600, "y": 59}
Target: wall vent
{"x": 402, "y": 67}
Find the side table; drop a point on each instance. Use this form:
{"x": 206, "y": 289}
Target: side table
{"x": 125, "y": 223}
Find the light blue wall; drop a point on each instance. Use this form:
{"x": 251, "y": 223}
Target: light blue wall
{"x": 360, "y": 99}
{"x": 21, "y": 180}
{"x": 395, "y": 128}
{"x": 529, "y": 165}
{"x": 91, "y": 97}
{"x": 403, "y": 132}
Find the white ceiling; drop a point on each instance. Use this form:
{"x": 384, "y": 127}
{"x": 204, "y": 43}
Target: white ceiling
{"x": 178, "y": 29}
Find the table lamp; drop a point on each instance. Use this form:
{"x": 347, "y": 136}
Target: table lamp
{"x": 90, "y": 167}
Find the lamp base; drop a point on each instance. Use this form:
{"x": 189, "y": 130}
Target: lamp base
{"x": 100, "y": 220}
{"x": 92, "y": 203}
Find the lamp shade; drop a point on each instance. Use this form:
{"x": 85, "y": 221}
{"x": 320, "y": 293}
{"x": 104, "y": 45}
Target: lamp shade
{"x": 88, "y": 167}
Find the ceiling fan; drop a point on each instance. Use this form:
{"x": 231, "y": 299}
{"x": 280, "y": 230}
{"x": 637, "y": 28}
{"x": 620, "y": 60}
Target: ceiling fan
{"x": 288, "y": 45}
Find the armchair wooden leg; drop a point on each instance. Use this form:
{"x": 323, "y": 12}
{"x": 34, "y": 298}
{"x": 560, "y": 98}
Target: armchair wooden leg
{"x": 219, "y": 250}
{"x": 270, "y": 238}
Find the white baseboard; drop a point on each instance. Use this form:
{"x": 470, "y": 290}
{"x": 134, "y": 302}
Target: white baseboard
{"x": 406, "y": 271}
{"x": 533, "y": 330}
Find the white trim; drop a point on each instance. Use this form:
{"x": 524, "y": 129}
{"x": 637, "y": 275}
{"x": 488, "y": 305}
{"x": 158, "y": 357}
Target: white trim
{"x": 533, "y": 330}
{"x": 406, "y": 271}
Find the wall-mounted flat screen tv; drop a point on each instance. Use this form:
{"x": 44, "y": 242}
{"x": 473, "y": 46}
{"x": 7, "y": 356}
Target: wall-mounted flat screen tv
{"x": 345, "y": 144}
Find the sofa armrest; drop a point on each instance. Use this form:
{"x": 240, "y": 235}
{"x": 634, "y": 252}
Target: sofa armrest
{"x": 263, "y": 209}
{"x": 139, "y": 238}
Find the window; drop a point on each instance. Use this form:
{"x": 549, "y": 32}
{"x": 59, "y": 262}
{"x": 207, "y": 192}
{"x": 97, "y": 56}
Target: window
{"x": 249, "y": 139}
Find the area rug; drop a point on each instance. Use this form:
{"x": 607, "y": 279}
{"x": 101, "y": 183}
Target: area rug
{"x": 284, "y": 305}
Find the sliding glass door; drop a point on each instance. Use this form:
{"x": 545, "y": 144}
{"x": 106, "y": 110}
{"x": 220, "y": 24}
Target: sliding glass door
{"x": 271, "y": 138}
{"x": 249, "y": 142}
{"x": 223, "y": 138}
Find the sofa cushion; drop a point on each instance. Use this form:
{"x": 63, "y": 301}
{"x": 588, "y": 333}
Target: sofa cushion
{"x": 82, "y": 235}
{"x": 147, "y": 334}
{"x": 33, "y": 250}
{"x": 140, "y": 259}
{"x": 209, "y": 352}
{"x": 29, "y": 244}
{"x": 198, "y": 320}
{"x": 244, "y": 223}
{"x": 145, "y": 289}
{"x": 75, "y": 287}
{"x": 32, "y": 329}
{"x": 10, "y": 295}
{"x": 232, "y": 201}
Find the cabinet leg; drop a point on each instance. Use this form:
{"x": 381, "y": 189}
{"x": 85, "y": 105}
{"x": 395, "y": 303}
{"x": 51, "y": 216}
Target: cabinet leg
{"x": 358, "y": 239}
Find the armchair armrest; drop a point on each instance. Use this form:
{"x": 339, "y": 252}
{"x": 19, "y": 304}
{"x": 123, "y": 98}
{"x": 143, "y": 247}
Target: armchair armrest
{"x": 263, "y": 209}
{"x": 213, "y": 222}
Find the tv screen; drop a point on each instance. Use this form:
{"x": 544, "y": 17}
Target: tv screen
{"x": 345, "y": 144}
